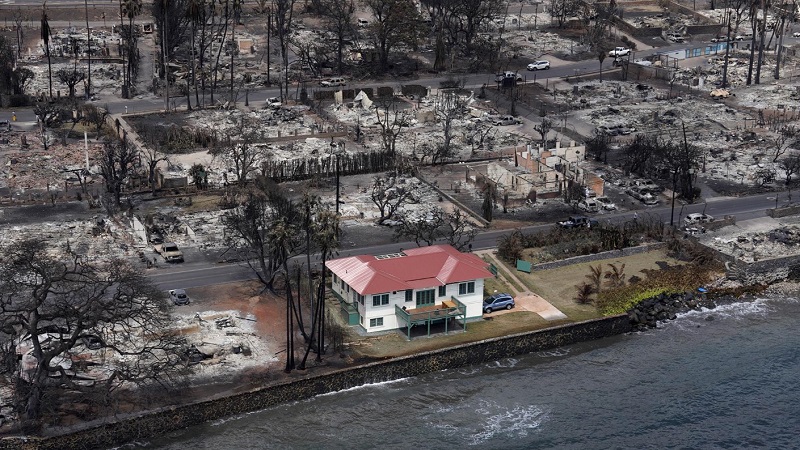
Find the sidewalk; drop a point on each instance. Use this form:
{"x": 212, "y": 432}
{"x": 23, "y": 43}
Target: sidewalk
{"x": 526, "y": 300}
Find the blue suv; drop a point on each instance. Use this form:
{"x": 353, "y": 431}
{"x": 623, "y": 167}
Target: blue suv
{"x": 498, "y": 301}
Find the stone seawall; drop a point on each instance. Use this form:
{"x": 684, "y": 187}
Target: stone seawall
{"x": 154, "y": 423}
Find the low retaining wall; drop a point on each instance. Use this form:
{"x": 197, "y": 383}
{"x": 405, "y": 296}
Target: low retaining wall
{"x": 598, "y": 256}
{"x": 783, "y": 211}
{"x": 169, "y": 419}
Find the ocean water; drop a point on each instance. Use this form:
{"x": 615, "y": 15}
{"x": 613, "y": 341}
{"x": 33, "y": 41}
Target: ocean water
{"x": 727, "y": 378}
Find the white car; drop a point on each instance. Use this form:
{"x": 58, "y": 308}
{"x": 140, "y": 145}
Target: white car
{"x": 178, "y": 297}
{"x": 796, "y": 34}
{"x": 506, "y": 120}
{"x": 620, "y": 51}
{"x": 539, "y": 65}
{"x": 507, "y": 75}
{"x": 335, "y": 81}
{"x": 588, "y": 205}
{"x": 696, "y": 218}
{"x": 274, "y": 102}
{"x": 606, "y": 203}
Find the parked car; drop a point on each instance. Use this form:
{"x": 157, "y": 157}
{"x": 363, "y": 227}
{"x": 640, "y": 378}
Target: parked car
{"x": 508, "y": 75}
{"x": 620, "y": 51}
{"x": 649, "y": 199}
{"x": 273, "y": 102}
{"x": 498, "y": 301}
{"x": 796, "y": 34}
{"x": 179, "y": 297}
{"x": 697, "y": 218}
{"x": 335, "y": 81}
{"x": 507, "y": 120}
{"x": 588, "y": 205}
{"x": 539, "y": 65}
{"x": 578, "y": 221}
{"x": 606, "y": 203}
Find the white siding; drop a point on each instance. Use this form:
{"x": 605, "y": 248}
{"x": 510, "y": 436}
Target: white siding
{"x": 473, "y": 302}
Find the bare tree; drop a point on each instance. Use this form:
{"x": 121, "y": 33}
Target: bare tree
{"x": 392, "y": 121}
{"x": 449, "y": 107}
{"x": 116, "y": 166}
{"x": 389, "y": 196}
{"x": 791, "y": 165}
{"x": 243, "y": 155}
{"x": 787, "y": 136}
{"x": 53, "y": 301}
{"x": 70, "y": 77}
{"x": 421, "y": 226}
{"x": 543, "y": 128}
{"x": 93, "y": 115}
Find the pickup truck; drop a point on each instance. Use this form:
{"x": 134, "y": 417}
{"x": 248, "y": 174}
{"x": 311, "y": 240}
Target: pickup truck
{"x": 169, "y": 251}
{"x": 620, "y": 51}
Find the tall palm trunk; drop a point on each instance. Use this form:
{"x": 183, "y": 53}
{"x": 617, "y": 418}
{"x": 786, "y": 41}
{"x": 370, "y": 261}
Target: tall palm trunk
{"x": 46, "y": 38}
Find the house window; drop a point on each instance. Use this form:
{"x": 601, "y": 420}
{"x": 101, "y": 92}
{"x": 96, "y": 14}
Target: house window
{"x": 426, "y": 297}
{"x": 382, "y": 299}
{"x": 377, "y": 322}
{"x": 442, "y": 291}
{"x": 360, "y": 298}
{"x": 466, "y": 288}
{"x": 409, "y": 295}
{"x": 342, "y": 284}
{"x": 335, "y": 279}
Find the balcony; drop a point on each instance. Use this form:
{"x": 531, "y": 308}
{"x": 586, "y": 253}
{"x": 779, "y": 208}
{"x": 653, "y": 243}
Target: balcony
{"x": 444, "y": 312}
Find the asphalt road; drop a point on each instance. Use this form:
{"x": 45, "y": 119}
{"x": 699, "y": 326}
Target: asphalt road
{"x": 193, "y": 275}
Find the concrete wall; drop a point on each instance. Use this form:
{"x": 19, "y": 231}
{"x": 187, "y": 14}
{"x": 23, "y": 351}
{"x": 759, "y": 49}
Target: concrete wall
{"x": 598, "y": 256}
{"x": 783, "y": 212}
{"x": 168, "y": 419}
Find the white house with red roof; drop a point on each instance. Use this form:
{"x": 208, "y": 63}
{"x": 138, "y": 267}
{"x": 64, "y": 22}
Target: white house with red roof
{"x": 420, "y": 286}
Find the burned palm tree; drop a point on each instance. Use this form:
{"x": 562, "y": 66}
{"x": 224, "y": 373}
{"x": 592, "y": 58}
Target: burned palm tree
{"x": 46, "y": 33}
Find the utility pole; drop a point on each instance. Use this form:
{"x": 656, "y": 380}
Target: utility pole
{"x": 89, "y": 50}
{"x": 727, "y": 52}
{"x": 164, "y": 57}
{"x": 269, "y": 33}
{"x": 122, "y": 53}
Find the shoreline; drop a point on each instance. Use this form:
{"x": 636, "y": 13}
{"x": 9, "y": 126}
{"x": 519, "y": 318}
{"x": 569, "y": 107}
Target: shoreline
{"x": 159, "y": 421}
{"x": 163, "y": 420}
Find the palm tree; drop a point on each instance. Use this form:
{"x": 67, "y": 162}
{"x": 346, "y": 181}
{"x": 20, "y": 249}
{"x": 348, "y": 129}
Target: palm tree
{"x": 615, "y": 276}
{"x": 584, "y": 293}
{"x": 595, "y": 277}
{"x": 46, "y": 33}
{"x": 196, "y": 12}
{"x": 131, "y": 9}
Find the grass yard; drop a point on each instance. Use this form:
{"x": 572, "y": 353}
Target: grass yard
{"x": 557, "y": 286}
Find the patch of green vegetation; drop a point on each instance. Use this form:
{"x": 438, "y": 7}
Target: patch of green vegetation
{"x": 671, "y": 279}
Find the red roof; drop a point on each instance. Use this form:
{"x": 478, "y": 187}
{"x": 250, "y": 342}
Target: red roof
{"x": 419, "y": 268}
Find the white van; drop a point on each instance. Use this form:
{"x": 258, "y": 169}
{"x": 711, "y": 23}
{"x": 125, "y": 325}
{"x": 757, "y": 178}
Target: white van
{"x": 362, "y": 22}
{"x": 335, "y": 81}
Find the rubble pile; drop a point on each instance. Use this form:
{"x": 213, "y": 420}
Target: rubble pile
{"x": 33, "y": 168}
{"x": 96, "y": 239}
{"x": 751, "y": 245}
{"x": 732, "y": 149}
{"x": 222, "y": 342}
{"x": 535, "y": 44}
